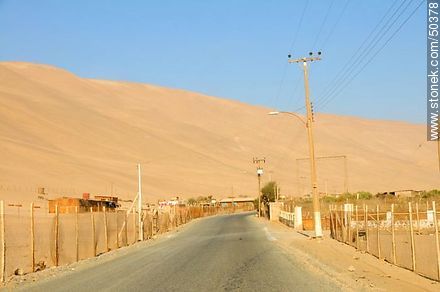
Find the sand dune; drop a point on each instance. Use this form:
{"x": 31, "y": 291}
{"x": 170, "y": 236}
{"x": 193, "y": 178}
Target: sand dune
{"x": 74, "y": 135}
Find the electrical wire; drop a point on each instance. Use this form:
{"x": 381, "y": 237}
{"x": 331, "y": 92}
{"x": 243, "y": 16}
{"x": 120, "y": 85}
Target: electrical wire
{"x": 368, "y": 49}
{"x": 338, "y": 19}
{"x": 353, "y": 58}
{"x": 373, "y": 56}
{"x": 322, "y": 24}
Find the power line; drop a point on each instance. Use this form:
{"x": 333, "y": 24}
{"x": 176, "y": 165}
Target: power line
{"x": 299, "y": 26}
{"x": 338, "y": 19}
{"x": 322, "y": 24}
{"x": 372, "y": 57}
{"x": 353, "y": 58}
{"x": 368, "y": 49}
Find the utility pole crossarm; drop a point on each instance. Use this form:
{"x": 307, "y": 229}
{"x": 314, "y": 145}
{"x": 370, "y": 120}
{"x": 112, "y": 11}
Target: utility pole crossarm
{"x": 308, "y": 59}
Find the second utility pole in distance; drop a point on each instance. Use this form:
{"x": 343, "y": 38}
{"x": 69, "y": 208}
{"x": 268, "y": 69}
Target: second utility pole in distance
{"x": 258, "y": 161}
{"x": 314, "y": 179}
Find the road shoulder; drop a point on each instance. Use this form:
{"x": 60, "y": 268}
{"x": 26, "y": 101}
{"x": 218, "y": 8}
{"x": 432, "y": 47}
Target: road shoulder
{"x": 353, "y": 270}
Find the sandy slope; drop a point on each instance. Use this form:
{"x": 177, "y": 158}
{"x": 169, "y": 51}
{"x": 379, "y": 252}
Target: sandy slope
{"x": 77, "y": 135}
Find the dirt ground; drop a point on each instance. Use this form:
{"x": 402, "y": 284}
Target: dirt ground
{"x": 356, "y": 270}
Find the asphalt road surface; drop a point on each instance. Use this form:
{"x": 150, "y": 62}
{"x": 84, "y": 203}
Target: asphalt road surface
{"x": 222, "y": 253}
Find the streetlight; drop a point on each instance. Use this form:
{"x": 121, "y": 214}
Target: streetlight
{"x": 314, "y": 180}
{"x": 288, "y": 113}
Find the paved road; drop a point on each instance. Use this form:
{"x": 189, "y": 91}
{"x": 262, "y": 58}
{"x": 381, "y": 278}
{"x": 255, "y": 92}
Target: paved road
{"x": 222, "y": 253}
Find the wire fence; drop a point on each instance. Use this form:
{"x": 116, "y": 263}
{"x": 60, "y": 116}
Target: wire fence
{"x": 407, "y": 236}
{"x": 32, "y": 239}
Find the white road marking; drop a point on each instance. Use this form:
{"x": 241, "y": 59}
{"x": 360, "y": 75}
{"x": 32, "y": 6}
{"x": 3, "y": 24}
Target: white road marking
{"x": 268, "y": 235}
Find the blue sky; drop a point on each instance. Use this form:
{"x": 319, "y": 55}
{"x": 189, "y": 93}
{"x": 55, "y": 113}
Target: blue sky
{"x": 235, "y": 49}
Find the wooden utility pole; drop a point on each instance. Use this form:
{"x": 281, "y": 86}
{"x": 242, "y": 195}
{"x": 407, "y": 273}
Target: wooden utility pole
{"x": 314, "y": 179}
{"x": 258, "y": 162}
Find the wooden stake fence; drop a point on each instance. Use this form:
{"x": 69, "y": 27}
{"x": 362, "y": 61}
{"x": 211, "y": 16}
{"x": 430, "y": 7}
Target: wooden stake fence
{"x": 340, "y": 225}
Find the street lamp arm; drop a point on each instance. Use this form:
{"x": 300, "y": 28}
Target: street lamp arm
{"x": 289, "y": 113}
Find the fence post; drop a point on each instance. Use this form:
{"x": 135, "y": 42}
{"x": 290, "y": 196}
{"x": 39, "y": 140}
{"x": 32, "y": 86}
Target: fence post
{"x": 378, "y": 232}
{"x": 126, "y": 227}
{"x": 298, "y": 224}
{"x": 411, "y": 230}
{"x": 343, "y": 229}
{"x": 134, "y": 227}
{"x": 117, "y": 233}
{"x": 32, "y": 237}
{"x": 436, "y": 240}
{"x": 367, "y": 234}
{"x": 337, "y": 223}
{"x": 2, "y": 230}
{"x": 417, "y": 217}
{"x": 331, "y": 222}
{"x": 56, "y": 234}
{"x": 92, "y": 217}
{"x": 357, "y": 228}
{"x": 393, "y": 236}
{"x": 349, "y": 231}
{"x": 106, "y": 229}
{"x": 76, "y": 234}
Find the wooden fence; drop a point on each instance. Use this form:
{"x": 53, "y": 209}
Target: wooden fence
{"x": 407, "y": 238}
{"x": 32, "y": 239}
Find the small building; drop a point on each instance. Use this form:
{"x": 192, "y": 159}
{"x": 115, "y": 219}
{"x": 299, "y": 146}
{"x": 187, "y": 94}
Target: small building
{"x": 239, "y": 202}
{"x": 85, "y": 204}
{"x": 401, "y": 193}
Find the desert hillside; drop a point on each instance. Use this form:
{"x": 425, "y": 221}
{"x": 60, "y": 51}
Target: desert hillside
{"x": 74, "y": 135}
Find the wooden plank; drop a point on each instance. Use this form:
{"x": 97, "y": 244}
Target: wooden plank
{"x": 2, "y": 230}
{"x": 76, "y": 233}
{"x": 126, "y": 227}
{"x": 92, "y": 219}
{"x": 411, "y": 230}
{"x": 32, "y": 238}
{"x": 393, "y": 236}
{"x": 417, "y": 217}
{"x": 106, "y": 229}
{"x": 134, "y": 227}
{"x": 357, "y": 227}
{"x": 367, "y": 234}
{"x": 378, "y": 232}
{"x": 117, "y": 233}
{"x": 57, "y": 218}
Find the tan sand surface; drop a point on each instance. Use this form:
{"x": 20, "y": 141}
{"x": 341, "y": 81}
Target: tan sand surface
{"x": 74, "y": 135}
